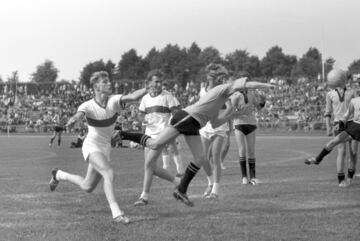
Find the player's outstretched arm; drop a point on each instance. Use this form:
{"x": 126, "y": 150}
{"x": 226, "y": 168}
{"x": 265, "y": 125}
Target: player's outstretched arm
{"x": 243, "y": 83}
{"x": 136, "y": 95}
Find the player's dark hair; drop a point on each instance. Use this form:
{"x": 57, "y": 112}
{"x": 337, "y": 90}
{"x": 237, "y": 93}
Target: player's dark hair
{"x": 96, "y": 76}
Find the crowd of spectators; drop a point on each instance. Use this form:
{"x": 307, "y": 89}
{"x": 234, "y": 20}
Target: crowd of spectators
{"x": 298, "y": 106}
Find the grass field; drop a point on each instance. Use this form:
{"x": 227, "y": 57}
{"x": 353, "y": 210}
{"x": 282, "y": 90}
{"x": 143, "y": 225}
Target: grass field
{"x": 293, "y": 202}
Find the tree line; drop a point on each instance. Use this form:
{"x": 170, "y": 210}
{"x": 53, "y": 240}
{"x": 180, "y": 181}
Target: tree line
{"x": 184, "y": 64}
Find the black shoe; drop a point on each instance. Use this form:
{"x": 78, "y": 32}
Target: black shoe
{"x": 183, "y": 198}
{"x": 53, "y": 182}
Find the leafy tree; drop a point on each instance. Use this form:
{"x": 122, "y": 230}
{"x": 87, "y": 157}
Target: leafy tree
{"x": 131, "y": 66}
{"x": 152, "y": 60}
{"x": 173, "y": 60}
{"x": 45, "y": 73}
{"x": 354, "y": 67}
{"x": 210, "y": 55}
{"x": 309, "y": 65}
{"x": 14, "y": 77}
{"x": 240, "y": 60}
{"x": 92, "y": 67}
{"x": 276, "y": 63}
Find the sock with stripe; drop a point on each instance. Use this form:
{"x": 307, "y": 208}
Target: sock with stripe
{"x": 351, "y": 173}
{"x": 190, "y": 172}
{"x": 252, "y": 173}
{"x": 341, "y": 176}
{"x": 135, "y": 137}
{"x": 242, "y": 162}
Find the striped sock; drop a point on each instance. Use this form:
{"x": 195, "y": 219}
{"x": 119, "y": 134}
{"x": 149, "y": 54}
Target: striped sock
{"x": 341, "y": 176}
{"x": 252, "y": 173}
{"x": 190, "y": 172}
{"x": 351, "y": 173}
{"x": 242, "y": 162}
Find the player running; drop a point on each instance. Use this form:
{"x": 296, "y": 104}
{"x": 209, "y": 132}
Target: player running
{"x": 101, "y": 113}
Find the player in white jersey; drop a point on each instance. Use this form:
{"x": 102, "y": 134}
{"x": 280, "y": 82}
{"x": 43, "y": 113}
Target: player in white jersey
{"x": 101, "y": 113}
{"x": 246, "y": 103}
{"x": 191, "y": 119}
{"x": 213, "y": 140}
{"x": 338, "y": 102}
{"x": 155, "y": 108}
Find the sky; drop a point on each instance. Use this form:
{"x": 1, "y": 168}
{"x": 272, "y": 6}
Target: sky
{"x": 72, "y": 33}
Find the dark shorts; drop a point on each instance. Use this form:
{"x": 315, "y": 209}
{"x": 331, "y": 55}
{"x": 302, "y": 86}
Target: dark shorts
{"x": 246, "y": 129}
{"x": 353, "y": 129}
{"x": 185, "y": 123}
{"x": 58, "y": 128}
{"x": 338, "y": 131}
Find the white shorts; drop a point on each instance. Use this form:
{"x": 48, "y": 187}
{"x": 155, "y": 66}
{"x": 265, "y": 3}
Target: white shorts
{"x": 90, "y": 147}
{"x": 209, "y": 134}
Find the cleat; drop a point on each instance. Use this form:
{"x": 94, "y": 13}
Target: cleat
{"x": 208, "y": 191}
{"x": 244, "y": 181}
{"x": 122, "y": 219}
{"x": 183, "y": 198}
{"x": 212, "y": 196}
{"x": 310, "y": 161}
{"x": 141, "y": 202}
{"x": 53, "y": 182}
{"x": 343, "y": 184}
{"x": 223, "y": 167}
{"x": 254, "y": 181}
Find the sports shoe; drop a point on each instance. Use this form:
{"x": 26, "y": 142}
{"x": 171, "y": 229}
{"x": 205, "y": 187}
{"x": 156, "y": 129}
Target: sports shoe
{"x": 122, "y": 219}
{"x": 182, "y": 197}
{"x": 343, "y": 183}
{"x": 311, "y": 160}
{"x": 223, "y": 167}
{"x": 208, "y": 190}
{"x": 244, "y": 181}
{"x": 53, "y": 182}
{"x": 254, "y": 181}
{"x": 141, "y": 202}
{"x": 212, "y": 196}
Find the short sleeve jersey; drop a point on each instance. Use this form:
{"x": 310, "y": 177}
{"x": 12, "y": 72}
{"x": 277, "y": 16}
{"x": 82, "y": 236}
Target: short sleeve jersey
{"x": 337, "y": 104}
{"x": 101, "y": 120}
{"x": 157, "y": 111}
{"x": 209, "y": 105}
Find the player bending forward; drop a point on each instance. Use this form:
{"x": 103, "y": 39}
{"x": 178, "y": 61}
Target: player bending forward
{"x": 101, "y": 113}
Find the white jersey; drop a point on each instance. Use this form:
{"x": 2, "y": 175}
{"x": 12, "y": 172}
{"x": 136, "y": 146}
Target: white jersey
{"x": 354, "y": 110}
{"x": 101, "y": 121}
{"x": 157, "y": 111}
{"x": 337, "y": 103}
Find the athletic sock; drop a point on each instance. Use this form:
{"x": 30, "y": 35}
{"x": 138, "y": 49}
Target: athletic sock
{"x": 115, "y": 210}
{"x": 135, "y": 137}
{"x": 242, "y": 161}
{"x": 177, "y": 181}
{"x": 322, "y": 154}
{"x": 59, "y": 142}
{"x": 190, "y": 172}
{"x": 215, "y": 188}
{"x": 210, "y": 180}
{"x": 341, "y": 176}
{"x": 61, "y": 175}
{"x": 166, "y": 161}
{"x": 351, "y": 173}
{"x": 252, "y": 173}
{"x": 144, "y": 195}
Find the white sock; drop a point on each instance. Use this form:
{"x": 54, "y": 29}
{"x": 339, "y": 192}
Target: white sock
{"x": 177, "y": 181}
{"x": 210, "y": 181}
{"x": 215, "y": 188}
{"x": 179, "y": 164}
{"x": 61, "y": 175}
{"x": 166, "y": 161}
{"x": 115, "y": 210}
{"x": 144, "y": 195}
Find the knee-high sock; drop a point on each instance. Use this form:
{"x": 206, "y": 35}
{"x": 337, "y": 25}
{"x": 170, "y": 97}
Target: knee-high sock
{"x": 242, "y": 162}
{"x": 322, "y": 154}
{"x": 190, "y": 172}
{"x": 135, "y": 137}
{"x": 252, "y": 172}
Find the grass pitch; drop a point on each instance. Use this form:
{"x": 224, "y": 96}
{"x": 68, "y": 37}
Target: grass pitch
{"x": 293, "y": 202}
